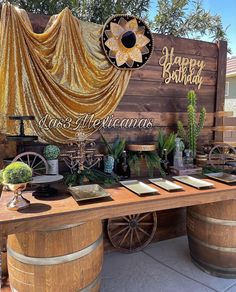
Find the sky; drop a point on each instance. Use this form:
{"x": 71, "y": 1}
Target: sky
{"x": 225, "y": 8}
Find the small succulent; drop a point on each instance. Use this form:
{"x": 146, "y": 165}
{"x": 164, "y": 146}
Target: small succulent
{"x": 16, "y": 173}
{"x": 51, "y": 152}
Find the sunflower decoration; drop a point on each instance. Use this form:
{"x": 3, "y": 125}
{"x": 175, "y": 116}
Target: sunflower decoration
{"x": 127, "y": 41}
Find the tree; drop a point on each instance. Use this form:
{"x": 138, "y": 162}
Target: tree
{"x": 44, "y": 6}
{"x": 187, "y": 18}
{"x": 91, "y": 10}
{"x": 180, "y": 18}
{"x": 134, "y": 7}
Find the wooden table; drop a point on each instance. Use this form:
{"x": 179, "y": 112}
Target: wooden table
{"x": 62, "y": 209}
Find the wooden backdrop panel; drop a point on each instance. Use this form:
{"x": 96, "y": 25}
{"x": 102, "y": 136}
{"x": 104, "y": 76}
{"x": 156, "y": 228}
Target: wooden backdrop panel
{"x": 148, "y": 93}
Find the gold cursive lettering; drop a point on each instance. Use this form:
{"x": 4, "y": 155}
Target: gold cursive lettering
{"x": 188, "y": 70}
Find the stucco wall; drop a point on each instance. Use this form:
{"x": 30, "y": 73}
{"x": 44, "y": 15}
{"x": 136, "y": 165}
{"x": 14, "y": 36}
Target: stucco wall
{"x": 230, "y": 100}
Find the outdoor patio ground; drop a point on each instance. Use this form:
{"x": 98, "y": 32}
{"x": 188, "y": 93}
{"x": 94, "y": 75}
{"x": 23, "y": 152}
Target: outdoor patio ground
{"x": 162, "y": 267}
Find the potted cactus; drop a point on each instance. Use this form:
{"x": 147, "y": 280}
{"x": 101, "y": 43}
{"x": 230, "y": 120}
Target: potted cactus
{"x": 194, "y": 127}
{"x": 16, "y": 176}
{"x": 51, "y": 153}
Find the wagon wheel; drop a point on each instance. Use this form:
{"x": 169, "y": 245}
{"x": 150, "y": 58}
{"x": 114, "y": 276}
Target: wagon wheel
{"x": 36, "y": 161}
{"x": 133, "y": 232}
{"x": 222, "y": 155}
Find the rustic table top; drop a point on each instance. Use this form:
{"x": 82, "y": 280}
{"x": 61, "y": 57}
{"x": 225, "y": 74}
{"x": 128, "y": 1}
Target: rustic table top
{"x": 63, "y": 209}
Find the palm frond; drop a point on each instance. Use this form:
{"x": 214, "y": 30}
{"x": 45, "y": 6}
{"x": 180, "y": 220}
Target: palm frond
{"x": 118, "y": 147}
{"x": 107, "y": 145}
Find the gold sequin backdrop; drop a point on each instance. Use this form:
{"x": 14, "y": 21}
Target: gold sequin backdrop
{"x": 62, "y": 72}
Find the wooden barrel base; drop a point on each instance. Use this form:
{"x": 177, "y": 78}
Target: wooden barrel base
{"x": 67, "y": 258}
{"x": 3, "y": 264}
{"x": 212, "y": 270}
{"x": 211, "y": 230}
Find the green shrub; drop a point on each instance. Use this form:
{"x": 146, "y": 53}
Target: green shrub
{"x": 17, "y": 172}
{"x": 51, "y": 152}
{"x": 1, "y": 176}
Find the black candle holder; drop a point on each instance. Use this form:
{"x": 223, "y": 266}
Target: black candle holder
{"x": 21, "y": 137}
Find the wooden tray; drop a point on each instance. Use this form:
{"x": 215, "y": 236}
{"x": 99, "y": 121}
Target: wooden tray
{"x": 165, "y": 184}
{"x": 141, "y": 148}
{"x": 138, "y": 187}
{"x": 223, "y": 177}
{"x": 186, "y": 171}
{"x": 193, "y": 182}
{"x": 88, "y": 192}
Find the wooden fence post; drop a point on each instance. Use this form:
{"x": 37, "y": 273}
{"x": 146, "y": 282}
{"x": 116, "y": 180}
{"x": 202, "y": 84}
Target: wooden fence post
{"x": 220, "y": 88}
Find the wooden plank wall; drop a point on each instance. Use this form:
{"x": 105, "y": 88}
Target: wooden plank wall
{"x": 148, "y": 96}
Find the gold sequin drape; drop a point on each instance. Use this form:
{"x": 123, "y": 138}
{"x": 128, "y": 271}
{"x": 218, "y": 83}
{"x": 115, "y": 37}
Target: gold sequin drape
{"x": 62, "y": 72}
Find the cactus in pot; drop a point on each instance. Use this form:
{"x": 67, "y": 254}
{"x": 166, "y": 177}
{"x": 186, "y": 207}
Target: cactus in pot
{"x": 194, "y": 126}
{"x": 51, "y": 153}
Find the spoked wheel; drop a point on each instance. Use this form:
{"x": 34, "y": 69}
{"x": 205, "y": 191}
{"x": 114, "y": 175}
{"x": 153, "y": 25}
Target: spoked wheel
{"x": 133, "y": 232}
{"x": 222, "y": 156}
{"x": 36, "y": 161}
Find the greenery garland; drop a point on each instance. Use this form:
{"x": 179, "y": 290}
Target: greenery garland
{"x": 92, "y": 175}
{"x": 153, "y": 161}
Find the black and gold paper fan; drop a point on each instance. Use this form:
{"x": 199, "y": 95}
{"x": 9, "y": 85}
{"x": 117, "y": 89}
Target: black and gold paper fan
{"x": 127, "y": 41}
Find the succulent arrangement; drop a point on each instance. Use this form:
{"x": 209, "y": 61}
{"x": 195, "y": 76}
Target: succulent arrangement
{"x": 51, "y": 152}
{"x": 16, "y": 173}
{"x": 194, "y": 127}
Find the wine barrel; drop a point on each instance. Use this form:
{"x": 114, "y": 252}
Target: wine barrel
{"x": 201, "y": 160}
{"x": 3, "y": 263}
{"x": 211, "y": 230}
{"x": 68, "y": 258}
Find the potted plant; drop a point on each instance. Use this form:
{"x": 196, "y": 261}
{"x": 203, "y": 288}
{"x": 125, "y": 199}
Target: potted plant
{"x": 114, "y": 153}
{"x": 165, "y": 146}
{"x": 16, "y": 176}
{"x": 51, "y": 153}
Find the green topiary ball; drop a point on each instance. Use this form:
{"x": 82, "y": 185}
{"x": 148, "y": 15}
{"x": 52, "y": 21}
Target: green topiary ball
{"x": 51, "y": 152}
{"x": 16, "y": 173}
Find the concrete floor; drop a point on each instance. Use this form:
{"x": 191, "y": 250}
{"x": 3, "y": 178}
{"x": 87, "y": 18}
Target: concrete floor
{"x": 162, "y": 267}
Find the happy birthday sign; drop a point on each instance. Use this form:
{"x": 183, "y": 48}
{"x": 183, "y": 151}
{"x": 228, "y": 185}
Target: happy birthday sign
{"x": 181, "y": 69}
